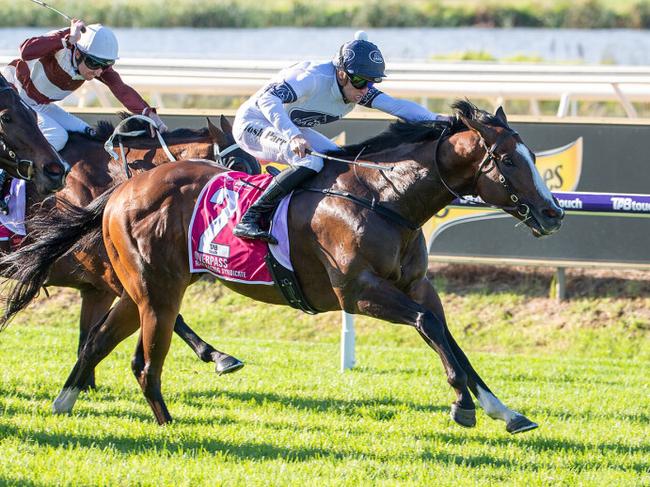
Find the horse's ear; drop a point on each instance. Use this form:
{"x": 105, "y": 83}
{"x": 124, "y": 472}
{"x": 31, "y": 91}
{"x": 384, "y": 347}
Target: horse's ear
{"x": 216, "y": 134}
{"x": 488, "y": 134}
{"x": 225, "y": 125}
{"x": 501, "y": 115}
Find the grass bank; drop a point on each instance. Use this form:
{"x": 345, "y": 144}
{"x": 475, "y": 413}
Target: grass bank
{"x": 336, "y": 13}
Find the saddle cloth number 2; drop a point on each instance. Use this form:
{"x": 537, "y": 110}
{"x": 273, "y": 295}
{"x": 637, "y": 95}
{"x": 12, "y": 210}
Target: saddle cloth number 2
{"x": 231, "y": 199}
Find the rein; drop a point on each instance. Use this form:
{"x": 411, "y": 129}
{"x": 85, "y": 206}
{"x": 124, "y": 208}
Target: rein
{"x": 108, "y": 145}
{"x": 373, "y": 205}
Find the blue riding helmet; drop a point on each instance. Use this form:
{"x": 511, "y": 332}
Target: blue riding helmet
{"x": 362, "y": 58}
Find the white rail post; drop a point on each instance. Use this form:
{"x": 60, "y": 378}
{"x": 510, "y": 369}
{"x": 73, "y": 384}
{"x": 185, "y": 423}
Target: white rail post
{"x": 347, "y": 341}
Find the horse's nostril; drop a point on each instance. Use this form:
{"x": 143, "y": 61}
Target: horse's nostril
{"x": 553, "y": 213}
{"x": 54, "y": 169}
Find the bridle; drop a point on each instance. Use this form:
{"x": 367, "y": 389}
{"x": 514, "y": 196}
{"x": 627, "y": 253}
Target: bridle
{"x": 491, "y": 161}
{"x": 220, "y": 155}
{"x": 21, "y": 168}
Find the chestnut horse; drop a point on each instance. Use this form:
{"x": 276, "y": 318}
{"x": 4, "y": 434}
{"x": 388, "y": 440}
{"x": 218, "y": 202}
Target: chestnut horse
{"x": 24, "y": 151}
{"x": 347, "y": 253}
{"x": 93, "y": 171}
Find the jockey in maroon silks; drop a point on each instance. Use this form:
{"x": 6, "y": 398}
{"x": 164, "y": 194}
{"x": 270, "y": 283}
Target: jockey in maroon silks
{"x": 51, "y": 67}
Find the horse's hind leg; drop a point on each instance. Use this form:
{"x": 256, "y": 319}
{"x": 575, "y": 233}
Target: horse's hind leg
{"x": 94, "y": 305}
{"x": 120, "y": 322}
{"x": 157, "y": 315}
{"x": 224, "y": 363}
{"x": 515, "y": 422}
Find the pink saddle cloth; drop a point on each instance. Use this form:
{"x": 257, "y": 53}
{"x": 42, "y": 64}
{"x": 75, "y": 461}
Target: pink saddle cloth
{"x": 212, "y": 246}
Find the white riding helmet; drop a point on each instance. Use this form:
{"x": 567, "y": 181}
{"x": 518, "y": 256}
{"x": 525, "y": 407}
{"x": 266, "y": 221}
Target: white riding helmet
{"x": 99, "y": 41}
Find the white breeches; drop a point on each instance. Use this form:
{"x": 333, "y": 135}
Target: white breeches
{"x": 55, "y": 123}
{"x": 259, "y": 138}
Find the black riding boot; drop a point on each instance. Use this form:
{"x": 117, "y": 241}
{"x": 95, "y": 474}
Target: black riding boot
{"x": 250, "y": 226}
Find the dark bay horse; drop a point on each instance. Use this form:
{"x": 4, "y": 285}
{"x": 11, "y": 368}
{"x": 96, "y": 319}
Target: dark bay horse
{"x": 93, "y": 171}
{"x": 345, "y": 254}
{"x": 24, "y": 151}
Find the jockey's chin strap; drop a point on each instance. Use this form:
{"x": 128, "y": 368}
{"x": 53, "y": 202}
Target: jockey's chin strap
{"x": 108, "y": 145}
{"x": 490, "y": 162}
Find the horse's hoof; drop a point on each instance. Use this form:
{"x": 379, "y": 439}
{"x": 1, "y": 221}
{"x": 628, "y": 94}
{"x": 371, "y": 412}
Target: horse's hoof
{"x": 228, "y": 365}
{"x": 464, "y": 417}
{"x": 519, "y": 424}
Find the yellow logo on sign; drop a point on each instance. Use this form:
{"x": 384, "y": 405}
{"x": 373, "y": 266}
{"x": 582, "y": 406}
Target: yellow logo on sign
{"x": 560, "y": 168}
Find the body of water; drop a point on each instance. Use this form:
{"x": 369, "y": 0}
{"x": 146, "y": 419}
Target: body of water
{"x": 622, "y": 46}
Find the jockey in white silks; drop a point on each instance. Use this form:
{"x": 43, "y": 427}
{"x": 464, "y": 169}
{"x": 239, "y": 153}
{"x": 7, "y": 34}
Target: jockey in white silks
{"x": 276, "y": 122}
{"x": 51, "y": 67}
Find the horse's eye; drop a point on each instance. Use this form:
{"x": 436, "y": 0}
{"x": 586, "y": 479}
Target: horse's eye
{"x": 507, "y": 160}
{"x": 5, "y": 117}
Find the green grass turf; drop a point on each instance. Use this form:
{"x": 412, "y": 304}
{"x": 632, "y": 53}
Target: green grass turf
{"x": 291, "y": 418}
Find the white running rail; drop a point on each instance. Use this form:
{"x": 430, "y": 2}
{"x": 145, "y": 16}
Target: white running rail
{"x": 533, "y": 83}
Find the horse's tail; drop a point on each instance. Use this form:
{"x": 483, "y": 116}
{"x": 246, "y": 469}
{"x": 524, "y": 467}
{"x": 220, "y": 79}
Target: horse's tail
{"x": 52, "y": 235}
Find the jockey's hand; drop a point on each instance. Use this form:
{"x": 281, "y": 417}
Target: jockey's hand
{"x": 160, "y": 125}
{"x": 299, "y": 145}
{"x": 76, "y": 27}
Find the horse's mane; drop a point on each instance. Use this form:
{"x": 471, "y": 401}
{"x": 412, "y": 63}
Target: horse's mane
{"x": 401, "y": 132}
{"x": 105, "y": 128}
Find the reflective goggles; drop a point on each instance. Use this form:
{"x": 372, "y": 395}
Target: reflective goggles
{"x": 94, "y": 63}
{"x": 359, "y": 82}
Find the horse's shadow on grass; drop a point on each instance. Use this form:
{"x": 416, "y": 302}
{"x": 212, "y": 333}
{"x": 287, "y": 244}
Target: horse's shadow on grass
{"x": 541, "y": 445}
{"x": 7, "y": 480}
{"x": 340, "y": 406}
{"x": 266, "y": 452}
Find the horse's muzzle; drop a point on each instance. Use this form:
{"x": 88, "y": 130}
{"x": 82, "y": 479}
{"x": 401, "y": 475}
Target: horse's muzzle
{"x": 56, "y": 173}
{"x": 547, "y": 221}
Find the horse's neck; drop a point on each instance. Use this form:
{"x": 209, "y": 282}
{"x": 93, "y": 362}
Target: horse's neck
{"x": 201, "y": 149}
{"x": 186, "y": 149}
{"x": 413, "y": 188}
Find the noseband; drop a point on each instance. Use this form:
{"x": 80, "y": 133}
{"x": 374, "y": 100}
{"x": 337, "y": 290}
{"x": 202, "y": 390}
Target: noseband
{"x": 23, "y": 168}
{"x": 490, "y": 162}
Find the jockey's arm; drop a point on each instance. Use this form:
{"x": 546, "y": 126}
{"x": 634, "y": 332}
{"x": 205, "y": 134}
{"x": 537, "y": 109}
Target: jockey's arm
{"x": 37, "y": 47}
{"x": 126, "y": 95}
{"x": 288, "y": 90}
{"x": 404, "y": 109}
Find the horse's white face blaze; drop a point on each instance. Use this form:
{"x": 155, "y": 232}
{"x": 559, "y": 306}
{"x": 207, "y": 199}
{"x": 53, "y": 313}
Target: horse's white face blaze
{"x": 540, "y": 186}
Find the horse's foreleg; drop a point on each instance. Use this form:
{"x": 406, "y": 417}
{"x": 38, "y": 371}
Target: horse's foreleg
{"x": 425, "y": 294}
{"x": 94, "y": 305}
{"x": 381, "y": 299}
{"x": 224, "y": 363}
{"x": 120, "y": 322}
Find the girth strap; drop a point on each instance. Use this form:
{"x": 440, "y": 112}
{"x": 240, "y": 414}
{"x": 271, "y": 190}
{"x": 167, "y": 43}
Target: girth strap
{"x": 287, "y": 281}
{"x": 372, "y": 205}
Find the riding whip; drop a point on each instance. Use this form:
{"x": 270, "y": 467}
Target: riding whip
{"x": 369, "y": 165}
{"x": 43, "y": 4}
